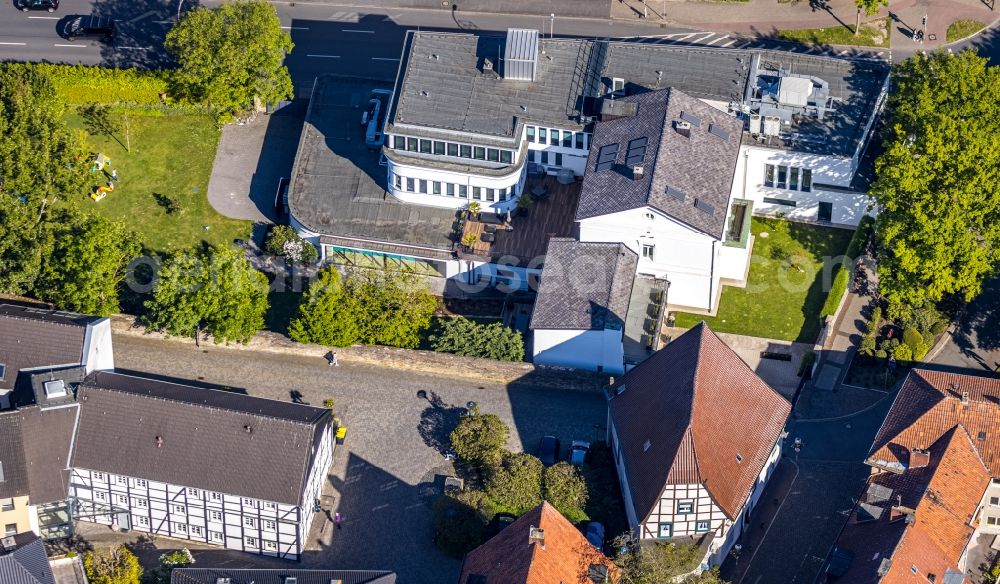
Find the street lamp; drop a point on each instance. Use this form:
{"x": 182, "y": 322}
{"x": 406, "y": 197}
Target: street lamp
{"x": 552, "y": 24}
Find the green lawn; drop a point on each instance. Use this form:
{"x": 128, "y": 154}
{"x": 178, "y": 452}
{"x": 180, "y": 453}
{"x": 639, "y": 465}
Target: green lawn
{"x": 962, "y": 28}
{"x": 872, "y": 34}
{"x": 784, "y": 294}
{"x": 172, "y": 156}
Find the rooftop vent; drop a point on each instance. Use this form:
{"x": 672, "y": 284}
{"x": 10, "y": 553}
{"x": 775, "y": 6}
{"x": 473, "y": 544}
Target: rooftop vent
{"x": 965, "y": 398}
{"x": 739, "y": 458}
{"x": 636, "y": 172}
{"x": 884, "y": 566}
{"x": 794, "y": 91}
{"x": 487, "y": 65}
{"x": 683, "y": 128}
{"x": 248, "y": 429}
{"x": 54, "y": 388}
{"x": 754, "y": 124}
{"x": 919, "y": 458}
{"x": 536, "y": 535}
{"x": 520, "y": 57}
{"x": 8, "y": 544}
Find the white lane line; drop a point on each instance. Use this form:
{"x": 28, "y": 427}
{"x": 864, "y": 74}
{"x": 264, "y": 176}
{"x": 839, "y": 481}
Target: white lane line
{"x": 164, "y": 21}
{"x": 295, "y": 27}
{"x": 325, "y": 56}
{"x": 729, "y": 43}
{"x": 46, "y": 17}
{"x": 18, "y": 44}
{"x": 58, "y": 45}
{"x": 687, "y": 36}
{"x": 721, "y": 38}
{"x": 384, "y": 59}
{"x": 135, "y": 48}
{"x": 356, "y": 30}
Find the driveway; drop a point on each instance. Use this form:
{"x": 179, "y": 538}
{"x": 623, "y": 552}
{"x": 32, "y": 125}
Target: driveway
{"x": 975, "y": 343}
{"x": 388, "y": 472}
{"x": 251, "y": 159}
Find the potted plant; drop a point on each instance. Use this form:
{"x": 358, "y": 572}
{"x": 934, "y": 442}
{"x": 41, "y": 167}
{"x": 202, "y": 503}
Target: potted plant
{"x": 474, "y": 208}
{"x": 524, "y": 202}
{"x": 469, "y": 240}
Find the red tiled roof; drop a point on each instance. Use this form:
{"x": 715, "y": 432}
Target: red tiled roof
{"x": 510, "y": 558}
{"x": 944, "y": 496}
{"x": 708, "y": 418}
{"x": 928, "y": 405}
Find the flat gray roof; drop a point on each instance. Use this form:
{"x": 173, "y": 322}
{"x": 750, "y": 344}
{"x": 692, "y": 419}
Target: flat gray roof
{"x": 337, "y": 184}
{"x": 443, "y": 89}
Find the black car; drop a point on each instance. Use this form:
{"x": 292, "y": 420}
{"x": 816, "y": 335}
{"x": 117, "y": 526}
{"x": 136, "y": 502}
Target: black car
{"x": 26, "y": 5}
{"x": 93, "y": 27}
{"x": 548, "y": 450}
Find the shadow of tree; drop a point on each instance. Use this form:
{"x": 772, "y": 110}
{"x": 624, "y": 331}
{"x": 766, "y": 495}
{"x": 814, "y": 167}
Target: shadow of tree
{"x": 437, "y": 421}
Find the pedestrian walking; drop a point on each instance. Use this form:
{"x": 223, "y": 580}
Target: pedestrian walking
{"x": 114, "y": 174}
{"x": 336, "y": 519}
{"x": 334, "y": 361}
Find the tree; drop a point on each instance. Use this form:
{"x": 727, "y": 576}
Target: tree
{"x": 215, "y": 288}
{"x": 285, "y": 241}
{"x": 231, "y": 56}
{"x": 870, "y": 7}
{"x": 41, "y": 160}
{"x": 115, "y": 566}
{"x": 24, "y": 244}
{"x": 181, "y": 558}
{"x": 565, "y": 489}
{"x": 87, "y": 264}
{"x": 471, "y": 339}
{"x": 458, "y": 524}
{"x": 393, "y": 308}
{"x": 939, "y": 221}
{"x": 656, "y": 562}
{"x": 480, "y": 438}
{"x": 326, "y": 315}
{"x": 515, "y": 485}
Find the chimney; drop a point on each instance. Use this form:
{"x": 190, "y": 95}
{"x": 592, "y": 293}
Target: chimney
{"x": 536, "y": 535}
{"x": 965, "y": 398}
{"x": 683, "y": 128}
{"x": 487, "y": 66}
{"x": 636, "y": 172}
{"x": 919, "y": 458}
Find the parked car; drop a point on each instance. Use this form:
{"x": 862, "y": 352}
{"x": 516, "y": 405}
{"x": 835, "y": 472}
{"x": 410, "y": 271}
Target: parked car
{"x": 548, "y": 450}
{"x": 579, "y": 452}
{"x": 93, "y": 27}
{"x": 595, "y": 534}
{"x": 47, "y": 5}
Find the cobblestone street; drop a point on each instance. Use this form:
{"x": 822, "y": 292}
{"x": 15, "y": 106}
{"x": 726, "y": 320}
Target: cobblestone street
{"x": 386, "y": 475}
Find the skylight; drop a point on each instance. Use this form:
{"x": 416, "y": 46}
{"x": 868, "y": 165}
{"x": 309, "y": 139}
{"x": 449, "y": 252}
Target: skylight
{"x": 606, "y": 156}
{"x": 636, "y": 151}
{"x": 691, "y": 119}
{"x": 676, "y": 193}
{"x": 717, "y": 131}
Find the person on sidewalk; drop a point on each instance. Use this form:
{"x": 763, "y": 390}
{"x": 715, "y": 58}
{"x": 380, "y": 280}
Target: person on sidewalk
{"x": 337, "y": 519}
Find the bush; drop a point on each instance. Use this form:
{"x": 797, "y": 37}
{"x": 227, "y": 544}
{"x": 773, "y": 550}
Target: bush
{"x": 875, "y": 323}
{"x": 285, "y": 241}
{"x": 515, "y": 485}
{"x": 840, "y": 279}
{"x": 458, "y": 525}
{"x": 808, "y": 360}
{"x": 902, "y": 352}
{"x": 480, "y": 438}
{"x": 867, "y": 346}
{"x": 939, "y": 327}
{"x": 881, "y": 354}
{"x": 565, "y": 489}
{"x": 468, "y": 338}
{"x": 326, "y": 314}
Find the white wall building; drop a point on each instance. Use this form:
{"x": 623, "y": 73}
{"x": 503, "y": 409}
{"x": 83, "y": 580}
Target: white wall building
{"x": 695, "y": 435}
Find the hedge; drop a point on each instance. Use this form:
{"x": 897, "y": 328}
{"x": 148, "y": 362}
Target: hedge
{"x": 81, "y": 84}
{"x": 841, "y": 277}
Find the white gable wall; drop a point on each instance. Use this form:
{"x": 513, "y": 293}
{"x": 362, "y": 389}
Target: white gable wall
{"x": 589, "y": 350}
{"x": 97, "y": 351}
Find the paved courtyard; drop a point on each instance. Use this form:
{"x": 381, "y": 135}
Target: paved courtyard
{"x": 386, "y": 475}
{"x": 975, "y": 343}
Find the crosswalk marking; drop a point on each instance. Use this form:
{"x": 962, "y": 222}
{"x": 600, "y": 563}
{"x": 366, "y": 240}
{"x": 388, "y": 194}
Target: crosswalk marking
{"x": 721, "y": 38}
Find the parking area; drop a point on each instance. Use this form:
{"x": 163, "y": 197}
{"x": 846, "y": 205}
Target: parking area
{"x": 387, "y": 474}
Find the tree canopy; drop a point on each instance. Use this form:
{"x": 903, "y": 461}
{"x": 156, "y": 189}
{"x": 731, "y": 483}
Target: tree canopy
{"x": 480, "y": 439}
{"x": 472, "y": 339}
{"x": 654, "y": 562}
{"x": 115, "y": 566}
{"x": 936, "y": 182}
{"x": 215, "y": 288}
{"x": 326, "y": 314}
{"x": 231, "y": 56}
{"x": 515, "y": 485}
{"x": 566, "y": 490}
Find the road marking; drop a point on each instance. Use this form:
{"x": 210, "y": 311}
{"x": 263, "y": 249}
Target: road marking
{"x": 295, "y": 27}
{"x": 687, "y": 36}
{"x": 146, "y": 14}
{"x": 729, "y": 43}
{"x": 722, "y": 38}
{"x": 58, "y": 45}
{"x": 707, "y": 35}
{"x": 384, "y": 59}
{"x": 164, "y": 21}
{"x": 135, "y": 48}
{"x": 356, "y": 30}
{"x": 18, "y": 44}
{"x": 325, "y": 56}
{"x": 46, "y": 17}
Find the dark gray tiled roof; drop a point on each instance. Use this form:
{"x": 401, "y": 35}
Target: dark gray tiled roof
{"x": 38, "y": 337}
{"x": 338, "y": 187}
{"x": 204, "y": 441}
{"x": 584, "y": 286}
{"x": 34, "y": 449}
{"x": 701, "y": 166}
{"x": 27, "y": 563}
{"x": 247, "y": 576}
{"x": 15, "y": 474}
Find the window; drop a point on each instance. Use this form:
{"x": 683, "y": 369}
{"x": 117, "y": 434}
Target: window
{"x": 913, "y": 568}
{"x": 994, "y": 501}
{"x": 491, "y": 195}
{"x": 423, "y": 186}
{"x": 579, "y": 141}
{"x": 618, "y": 85}
{"x": 992, "y": 521}
{"x": 493, "y": 155}
{"x": 399, "y": 143}
{"x": 269, "y": 525}
{"x": 194, "y": 493}
{"x": 463, "y": 191}
{"x": 545, "y": 157}
{"x": 10, "y": 529}
{"x": 142, "y": 520}
{"x": 215, "y": 536}
{"x": 449, "y": 189}
{"x": 425, "y": 146}
{"x": 215, "y": 497}
{"x": 439, "y": 148}
{"x": 774, "y": 201}
{"x": 807, "y": 180}
{"x": 477, "y": 193}
{"x": 121, "y": 480}
{"x": 466, "y": 151}
{"x": 141, "y": 483}
{"x": 554, "y": 138}
{"x": 3, "y": 370}
{"x": 647, "y": 251}
{"x": 452, "y": 149}
{"x": 558, "y": 158}
{"x": 768, "y": 175}
{"x": 701, "y": 526}
{"x": 100, "y": 496}
{"x": 782, "y": 177}
{"x": 479, "y": 153}
{"x": 180, "y": 528}
{"x": 530, "y": 131}
{"x": 410, "y": 186}
{"x": 411, "y": 144}
{"x": 436, "y": 187}
{"x": 98, "y": 476}
{"x": 195, "y": 530}
{"x": 399, "y": 181}
{"x": 543, "y": 136}
{"x": 179, "y": 509}
{"x": 251, "y": 542}
{"x": 122, "y": 499}
{"x": 685, "y": 507}
{"x": 270, "y": 545}
{"x": 139, "y": 502}
{"x": 567, "y": 140}
{"x": 793, "y": 178}
{"x": 503, "y": 193}
{"x": 251, "y": 502}
{"x": 249, "y": 522}
{"x": 215, "y": 515}
{"x": 505, "y": 157}
{"x": 666, "y": 530}
{"x": 532, "y": 155}
{"x": 7, "y": 505}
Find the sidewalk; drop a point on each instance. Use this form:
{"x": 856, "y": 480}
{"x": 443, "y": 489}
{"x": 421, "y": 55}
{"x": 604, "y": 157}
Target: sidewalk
{"x": 766, "y": 17}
